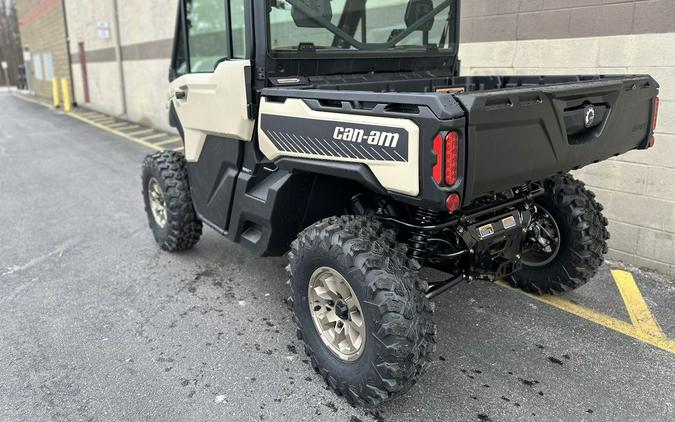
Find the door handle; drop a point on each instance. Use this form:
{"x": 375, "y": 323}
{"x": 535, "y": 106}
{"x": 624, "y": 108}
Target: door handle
{"x": 181, "y": 95}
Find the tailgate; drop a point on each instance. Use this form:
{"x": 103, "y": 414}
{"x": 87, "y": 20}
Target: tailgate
{"x": 527, "y": 134}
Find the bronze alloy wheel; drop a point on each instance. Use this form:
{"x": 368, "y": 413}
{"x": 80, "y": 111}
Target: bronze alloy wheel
{"x": 157, "y": 202}
{"x": 337, "y": 314}
{"x": 360, "y": 308}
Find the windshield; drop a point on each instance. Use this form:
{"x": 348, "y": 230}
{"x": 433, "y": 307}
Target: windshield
{"x": 362, "y": 25}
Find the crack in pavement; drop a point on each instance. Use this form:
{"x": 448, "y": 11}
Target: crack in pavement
{"x": 68, "y": 244}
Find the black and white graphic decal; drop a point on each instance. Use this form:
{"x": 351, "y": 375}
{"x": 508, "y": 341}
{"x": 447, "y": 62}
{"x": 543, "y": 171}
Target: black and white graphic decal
{"x": 336, "y": 139}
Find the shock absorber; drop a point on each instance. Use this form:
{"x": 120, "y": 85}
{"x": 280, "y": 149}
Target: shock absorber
{"x": 418, "y": 240}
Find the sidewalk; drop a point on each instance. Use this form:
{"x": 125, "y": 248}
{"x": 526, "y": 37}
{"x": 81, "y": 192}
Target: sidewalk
{"x": 134, "y": 132}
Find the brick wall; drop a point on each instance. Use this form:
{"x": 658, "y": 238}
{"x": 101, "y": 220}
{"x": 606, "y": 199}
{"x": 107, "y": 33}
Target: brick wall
{"x": 596, "y": 37}
{"x": 41, "y": 24}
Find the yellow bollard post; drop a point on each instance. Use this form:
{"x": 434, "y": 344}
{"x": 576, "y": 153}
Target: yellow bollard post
{"x": 65, "y": 88}
{"x": 55, "y": 92}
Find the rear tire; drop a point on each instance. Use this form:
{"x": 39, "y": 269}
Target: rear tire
{"x": 399, "y": 333}
{"x": 168, "y": 202}
{"x": 583, "y": 239}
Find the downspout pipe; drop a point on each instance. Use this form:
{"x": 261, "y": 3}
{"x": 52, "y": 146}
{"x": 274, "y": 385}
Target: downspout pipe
{"x": 120, "y": 59}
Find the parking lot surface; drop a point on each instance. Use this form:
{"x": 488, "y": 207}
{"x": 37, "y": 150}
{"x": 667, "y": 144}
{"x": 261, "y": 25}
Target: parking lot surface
{"x": 96, "y": 323}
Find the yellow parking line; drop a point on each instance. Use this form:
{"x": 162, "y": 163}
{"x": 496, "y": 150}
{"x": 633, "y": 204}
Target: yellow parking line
{"x": 168, "y": 141}
{"x": 178, "y": 149}
{"x": 121, "y": 125}
{"x": 106, "y": 121}
{"x": 640, "y": 315}
{"x": 115, "y": 132}
{"x": 140, "y": 132}
{"x": 103, "y": 122}
{"x": 601, "y": 319}
{"x": 129, "y": 128}
{"x": 147, "y": 138}
{"x": 100, "y": 118}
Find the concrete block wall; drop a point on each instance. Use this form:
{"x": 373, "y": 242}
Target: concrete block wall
{"x": 147, "y": 50}
{"x": 102, "y": 70}
{"x": 146, "y": 34}
{"x": 544, "y": 37}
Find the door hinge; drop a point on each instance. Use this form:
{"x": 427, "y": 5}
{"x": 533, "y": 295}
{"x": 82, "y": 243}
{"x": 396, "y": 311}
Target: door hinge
{"x": 252, "y": 111}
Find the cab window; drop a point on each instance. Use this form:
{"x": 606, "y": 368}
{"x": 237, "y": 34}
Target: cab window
{"x": 237, "y": 18}
{"x": 207, "y": 33}
{"x": 180, "y": 60}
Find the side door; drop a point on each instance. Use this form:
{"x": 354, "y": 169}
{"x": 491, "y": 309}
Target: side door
{"x": 209, "y": 95}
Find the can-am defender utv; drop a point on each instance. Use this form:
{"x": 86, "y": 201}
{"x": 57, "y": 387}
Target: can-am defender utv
{"x": 341, "y": 130}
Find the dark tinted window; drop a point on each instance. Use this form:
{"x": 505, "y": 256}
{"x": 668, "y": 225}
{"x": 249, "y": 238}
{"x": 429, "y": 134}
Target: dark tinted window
{"x": 180, "y": 62}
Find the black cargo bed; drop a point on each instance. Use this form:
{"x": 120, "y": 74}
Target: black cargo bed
{"x": 525, "y": 134}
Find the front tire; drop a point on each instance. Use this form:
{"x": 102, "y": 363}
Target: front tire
{"x": 398, "y": 336}
{"x": 168, "y": 202}
{"x": 583, "y": 236}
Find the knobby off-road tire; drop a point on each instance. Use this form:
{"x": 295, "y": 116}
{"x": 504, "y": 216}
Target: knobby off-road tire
{"x": 400, "y": 335}
{"x": 181, "y": 228}
{"x": 583, "y": 239}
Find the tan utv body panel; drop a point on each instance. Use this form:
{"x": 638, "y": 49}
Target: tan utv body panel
{"x": 215, "y": 104}
{"x": 395, "y": 176}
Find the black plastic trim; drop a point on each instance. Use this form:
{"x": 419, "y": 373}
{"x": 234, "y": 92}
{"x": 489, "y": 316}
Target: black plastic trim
{"x": 174, "y": 121}
{"x": 443, "y": 106}
{"x": 213, "y": 179}
{"x": 351, "y": 171}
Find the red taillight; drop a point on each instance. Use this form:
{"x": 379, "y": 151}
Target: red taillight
{"x": 438, "y": 149}
{"x": 655, "y": 114}
{"x": 451, "y": 158}
{"x": 655, "y": 118}
{"x": 453, "y": 202}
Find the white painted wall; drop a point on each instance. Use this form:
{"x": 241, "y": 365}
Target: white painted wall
{"x": 146, "y": 81}
{"x": 147, "y": 92}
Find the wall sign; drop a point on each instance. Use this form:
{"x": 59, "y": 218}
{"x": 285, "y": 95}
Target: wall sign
{"x": 103, "y": 29}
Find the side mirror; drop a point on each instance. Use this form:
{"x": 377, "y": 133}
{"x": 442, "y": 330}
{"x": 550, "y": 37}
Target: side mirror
{"x": 416, "y": 10}
{"x": 320, "y": 8}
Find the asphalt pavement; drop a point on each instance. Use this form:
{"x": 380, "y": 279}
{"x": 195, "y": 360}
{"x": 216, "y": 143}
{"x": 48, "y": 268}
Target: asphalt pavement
{"x": 97, "y": 323}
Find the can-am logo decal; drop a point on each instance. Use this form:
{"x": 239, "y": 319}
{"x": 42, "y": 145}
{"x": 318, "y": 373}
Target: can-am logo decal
{"x": 375, "y": 137}
{"x": 328, "y": 139}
